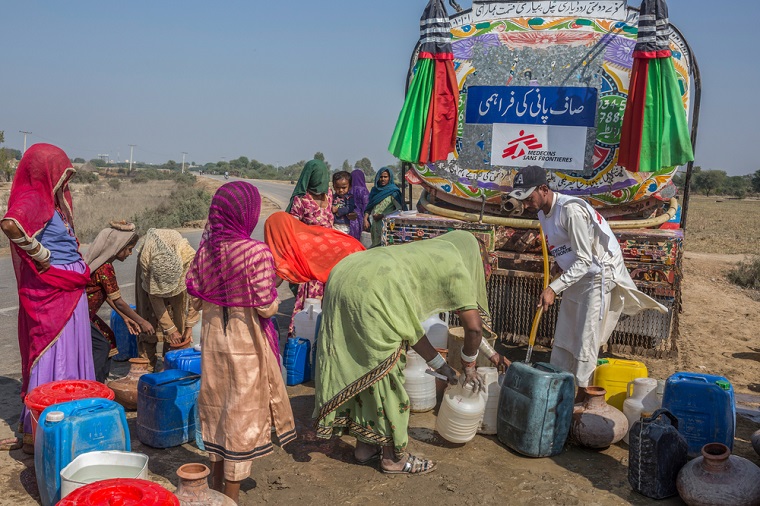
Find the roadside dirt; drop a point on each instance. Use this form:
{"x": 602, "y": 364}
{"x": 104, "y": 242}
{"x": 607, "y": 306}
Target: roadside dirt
{"x": 717, "y": 336}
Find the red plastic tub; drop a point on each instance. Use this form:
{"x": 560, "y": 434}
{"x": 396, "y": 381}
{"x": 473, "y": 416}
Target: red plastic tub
{"x": 121, "y": 492}
{"x": 63, "y": 391}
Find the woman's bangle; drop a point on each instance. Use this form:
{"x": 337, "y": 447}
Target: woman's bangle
{"x": 29, "y": 246}
{"x": 487, "y": 349}
{"x": 437, "y": 362}
{"x": 467, "y": 358}
{"x": 42, "y": 255}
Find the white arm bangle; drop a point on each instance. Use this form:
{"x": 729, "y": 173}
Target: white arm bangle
{"x": 467, "y": 358}
{"x": 437, "y": 362}
{"x": 42, "y": 255}
{"x": 487, "y": 349}
{"x": 19, "y": 240}
{"x": 29, "y": 246}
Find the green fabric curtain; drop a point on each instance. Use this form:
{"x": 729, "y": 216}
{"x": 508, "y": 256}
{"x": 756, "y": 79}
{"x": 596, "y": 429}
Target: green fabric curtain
{"x": 406, "y": 141}
{"x": 665, "y": 140}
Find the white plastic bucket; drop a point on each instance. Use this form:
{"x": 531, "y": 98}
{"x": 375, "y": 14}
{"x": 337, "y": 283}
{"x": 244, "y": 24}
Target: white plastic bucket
{"x": 103, "y": 465}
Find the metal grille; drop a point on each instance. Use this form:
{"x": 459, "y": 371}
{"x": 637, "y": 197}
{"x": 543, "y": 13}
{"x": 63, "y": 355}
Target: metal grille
{"x": 512, "y": 297}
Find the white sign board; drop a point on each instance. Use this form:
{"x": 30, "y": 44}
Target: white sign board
{"x": 548, "y": 146}
{"x": 604, "y": 9}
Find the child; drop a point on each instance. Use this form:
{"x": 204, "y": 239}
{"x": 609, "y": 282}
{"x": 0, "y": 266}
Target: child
{"x": 344, "y": 207}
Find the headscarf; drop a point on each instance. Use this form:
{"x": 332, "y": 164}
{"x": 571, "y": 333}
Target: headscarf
{"x": 314, "y": 178}
{"x": 164, "y": 259}
{"x": 361, "y": 197}
{"x": 304, "y": 253}
{"x": 231, "y": 269}
{"x": 109, "y": 242}
{"x": 380, "y": 193}
{"x": 47, "y": 300}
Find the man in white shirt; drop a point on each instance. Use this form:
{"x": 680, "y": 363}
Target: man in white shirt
{"x": 595, "y": 285}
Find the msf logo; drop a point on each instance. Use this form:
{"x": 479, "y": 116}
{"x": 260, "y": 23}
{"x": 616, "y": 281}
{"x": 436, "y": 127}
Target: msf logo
{"x": 520, "y": 146}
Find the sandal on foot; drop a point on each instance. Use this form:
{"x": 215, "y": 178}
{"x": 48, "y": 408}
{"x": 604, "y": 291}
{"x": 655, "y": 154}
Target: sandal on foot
{"x": 413, "y": 465}
{"x": 373, "y": 457}
{"x": 11, "y": 443}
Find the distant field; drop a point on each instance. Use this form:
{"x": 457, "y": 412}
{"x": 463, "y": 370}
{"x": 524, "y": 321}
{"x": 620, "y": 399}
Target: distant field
{"x": 96, "y": 204}
{"x": 729, "y": 226}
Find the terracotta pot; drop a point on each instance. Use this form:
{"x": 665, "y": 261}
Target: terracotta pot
{"x": 596, "y": 424}
{"x": 717, "y": 478}
{"x": 756, "y": 441}
{"x": 126, "y": 388}
{"x": 193, "y": 488}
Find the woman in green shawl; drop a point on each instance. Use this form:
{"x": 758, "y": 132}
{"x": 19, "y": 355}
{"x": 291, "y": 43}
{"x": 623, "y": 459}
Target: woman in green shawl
{"x": 373, "y": 305}
{"x": 311, "y": 203}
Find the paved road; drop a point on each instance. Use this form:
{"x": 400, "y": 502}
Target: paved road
{"x": 10, "y": 365}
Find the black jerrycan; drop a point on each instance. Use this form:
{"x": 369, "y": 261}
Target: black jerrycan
{"x": 656, "y": 452}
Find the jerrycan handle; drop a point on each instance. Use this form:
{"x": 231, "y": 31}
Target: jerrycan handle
{"x": 663, "y": 411}
{"x": 628, "y": 388}
{"x": 184, "y": 378}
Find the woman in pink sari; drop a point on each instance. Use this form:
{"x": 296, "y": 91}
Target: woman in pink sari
{"x": 311, "y": 203}
{"x": 53, "y": 319}
{"x": 242, "y": 393}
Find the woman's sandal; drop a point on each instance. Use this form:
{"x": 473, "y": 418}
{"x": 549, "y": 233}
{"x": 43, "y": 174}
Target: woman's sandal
{"x": 413, "y": 465}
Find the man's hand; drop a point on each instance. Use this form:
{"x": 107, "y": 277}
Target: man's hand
{"x": 147, "y": 328}
{"x": 174, "y": 338}
{"x": 555, "y": 271}
{"x": 449, "y": 372}
{"x": 473, "y": 378}
{"x": 546, "y": 299}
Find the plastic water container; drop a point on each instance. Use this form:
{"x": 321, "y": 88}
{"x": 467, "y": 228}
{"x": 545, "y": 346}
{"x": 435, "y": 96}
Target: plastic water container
{"x": 705, "y": 407}
{"x": 121, "y": 492}
{"x": 491, "y": 396}
{"x": 71, "y": 429}
{"x": 59, "y": 391}
{"x": 305, "y": 321}
{"x": 297, "y": 351}
{"x": 535, "y": 409}
{"x": 187, "y": 359}
{"x": 642, "y": 397}
{"x": 460, "y": 414}
{"x": 437, "y": 332}
{"x": 419, "y": 386}
{"x": 166, "y": 407}
{"x": 102, "y": 465}
{"x": 614, "y": 374}
{"x": 656, "y": 452}
{"x": 366, "y": 239}
{"x": 125, "y": 342}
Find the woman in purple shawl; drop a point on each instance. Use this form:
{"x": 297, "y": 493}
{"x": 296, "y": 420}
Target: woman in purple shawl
{"x": 361, "y": 197}
{"x": 242, "y": 393}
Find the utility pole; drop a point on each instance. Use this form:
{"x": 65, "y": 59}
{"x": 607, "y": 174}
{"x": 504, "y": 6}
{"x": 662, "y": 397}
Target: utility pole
{"x": 131, "y": 149}
{"x": 183, "y": 162}
{"x": 25, "y": 134}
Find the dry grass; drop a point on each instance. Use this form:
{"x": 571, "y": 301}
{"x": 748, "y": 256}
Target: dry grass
{"x": 717, "y": 225}
{"x": 97, "y": 204}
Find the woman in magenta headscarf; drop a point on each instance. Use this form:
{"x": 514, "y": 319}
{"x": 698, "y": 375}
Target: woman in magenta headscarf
{"x": 361, "y": 197}
{"x": 53, "y": 320}
{"x": 242, "y": 393}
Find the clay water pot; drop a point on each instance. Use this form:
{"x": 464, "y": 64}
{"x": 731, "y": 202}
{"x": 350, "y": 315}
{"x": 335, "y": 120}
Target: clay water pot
{"x": 596, "y": 424}
{"x": 756, "y": 441}
{"x": 718, "y": 478}
{"x": 126, "y": 388}
{"x": 193, "y": 488}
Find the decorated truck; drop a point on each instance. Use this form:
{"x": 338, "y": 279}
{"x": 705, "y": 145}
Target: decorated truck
{"x": 548, "y": 83}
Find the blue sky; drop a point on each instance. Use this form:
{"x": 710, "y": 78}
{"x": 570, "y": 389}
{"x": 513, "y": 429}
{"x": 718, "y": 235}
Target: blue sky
{"x": 280, "y": 80}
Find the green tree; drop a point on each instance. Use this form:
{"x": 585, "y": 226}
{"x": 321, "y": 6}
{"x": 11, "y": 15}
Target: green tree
{"x": 79, "y": 160}
{"x": 97, "y": 162}
{"x": 5, "y": 159}
{"x": 171, "y": 165}
{"x": 239, "y": 163}
{"x": 738, "y": 186}
{"x": 708, "y": 181}
{"x": 756, "y": 181}
{"x": 319, "y": 156}
{"x": 366, "y": 166}
{"x": 346, "y": 166}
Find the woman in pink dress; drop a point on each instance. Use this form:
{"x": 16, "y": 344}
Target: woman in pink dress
{"x": 311, "y": 203}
